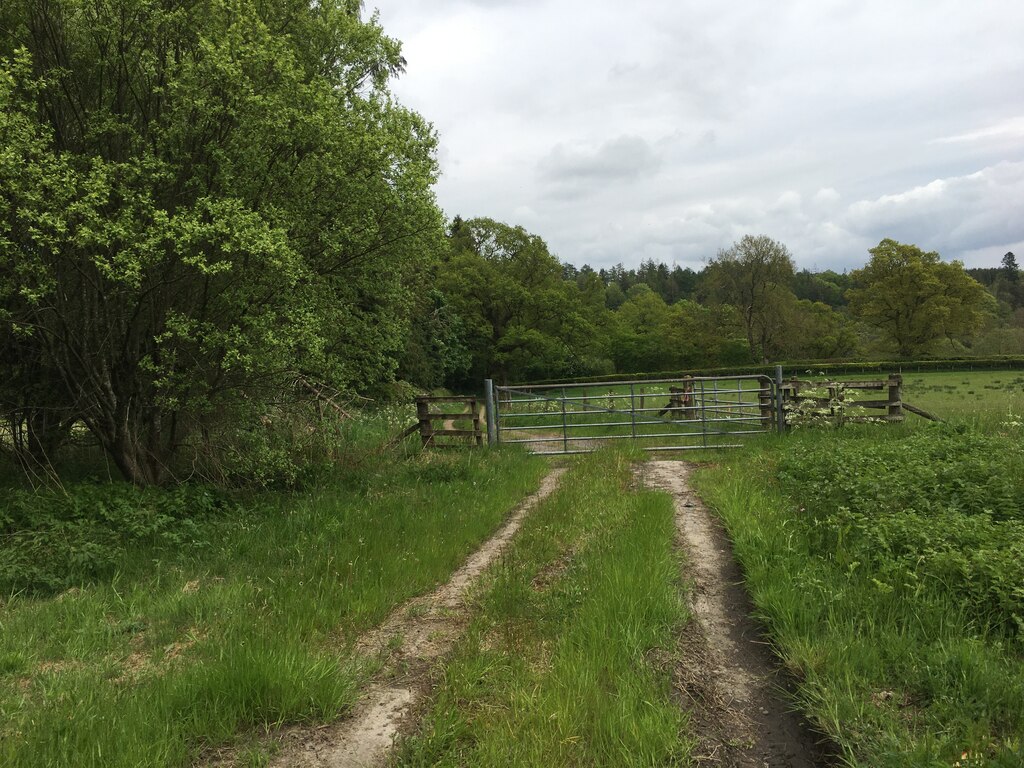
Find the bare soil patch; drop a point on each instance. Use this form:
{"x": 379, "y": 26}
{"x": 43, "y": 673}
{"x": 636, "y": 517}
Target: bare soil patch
{"x": 411, "y": 642}
{"x": 726, "y": 671}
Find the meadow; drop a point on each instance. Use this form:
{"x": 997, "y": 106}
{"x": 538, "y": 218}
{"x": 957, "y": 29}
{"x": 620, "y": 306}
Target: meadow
{"x": 160, "y": 629}
{"x": 983, "y": 398}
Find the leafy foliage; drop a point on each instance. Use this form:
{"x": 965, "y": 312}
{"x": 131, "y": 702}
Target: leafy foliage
{"x": 915, "y": 299}
{"x": 56, "y": 539}
{"x": 940, "y": 510}
{"x": 200, "y": 200}
{"x": 521, "y": 318}
{"x": 754, "y": 275}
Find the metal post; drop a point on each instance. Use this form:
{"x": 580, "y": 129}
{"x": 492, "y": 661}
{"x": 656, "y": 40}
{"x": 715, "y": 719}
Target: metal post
{"x": 492, "y": 432}
{"x": 780, "y": 414}
{"x": 565, "y": 427}
{"x": 632, "y": 408}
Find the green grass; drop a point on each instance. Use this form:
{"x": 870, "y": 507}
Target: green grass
{"x": 561, "y": 664}
{"x": 886, "y": 563}
{"x": 246, "y": 625}
{"x": 982, "y": 397}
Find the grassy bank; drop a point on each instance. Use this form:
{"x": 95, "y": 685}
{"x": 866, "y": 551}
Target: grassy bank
{"x": 887, "y": 566}
{"x": 560, "y": 666}
{"x": 229, "y": 620}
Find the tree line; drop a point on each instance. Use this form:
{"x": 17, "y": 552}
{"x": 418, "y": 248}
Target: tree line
{"x": 501, "y": 305}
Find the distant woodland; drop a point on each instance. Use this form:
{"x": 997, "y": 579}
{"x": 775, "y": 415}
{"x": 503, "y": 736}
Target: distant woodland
{"x": 498, "y": 303}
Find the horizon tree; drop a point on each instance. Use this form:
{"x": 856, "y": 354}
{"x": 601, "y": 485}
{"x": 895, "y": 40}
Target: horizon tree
{"x": 916, "y": 299}
{"x": 754, "y": 275}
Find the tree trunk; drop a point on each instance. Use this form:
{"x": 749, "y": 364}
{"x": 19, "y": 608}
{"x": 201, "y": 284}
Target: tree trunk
{"x": 141, "y": 445}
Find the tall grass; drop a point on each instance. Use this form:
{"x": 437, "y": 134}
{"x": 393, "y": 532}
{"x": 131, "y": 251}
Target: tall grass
{"x": 859, "y": 548}
{"x": 247, "y": 624}
{"x": 561, "y": 666}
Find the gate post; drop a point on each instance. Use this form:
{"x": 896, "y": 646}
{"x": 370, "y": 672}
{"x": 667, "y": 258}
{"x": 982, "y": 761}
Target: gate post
{"x": 492, "y": 436}
{"x": 895, "y": 410}
{"x": 426, "y": 425}
{"x": 780, "y": 414}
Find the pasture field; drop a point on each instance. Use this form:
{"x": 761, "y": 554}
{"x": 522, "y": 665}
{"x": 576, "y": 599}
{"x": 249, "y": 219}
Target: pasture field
{"x": 180, "y": 627}
{"x": 886, "y": 564}
{"x": 985, "y": 398}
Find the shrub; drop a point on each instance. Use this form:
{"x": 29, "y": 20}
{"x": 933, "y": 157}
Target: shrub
{"x": 55, "y": 539}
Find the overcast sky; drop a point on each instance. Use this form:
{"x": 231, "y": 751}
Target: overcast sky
{"x": 668, "y": 129}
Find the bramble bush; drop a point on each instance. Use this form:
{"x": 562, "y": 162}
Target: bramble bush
{"x": 940, "y": 509}
{"x": 54, "y": 539}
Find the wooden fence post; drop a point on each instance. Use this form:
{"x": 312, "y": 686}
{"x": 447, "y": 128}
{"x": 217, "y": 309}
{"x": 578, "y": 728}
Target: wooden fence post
{"x": 895, "y": 409}
{"x": 764, "y": 400}
{"x": 478, "y": 434}
{"x": 423, "y": 414}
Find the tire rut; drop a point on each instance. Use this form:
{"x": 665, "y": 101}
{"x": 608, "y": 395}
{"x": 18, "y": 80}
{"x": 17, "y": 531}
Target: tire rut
{"x": 726, "y": 671}
{"x": 412, "y": 640}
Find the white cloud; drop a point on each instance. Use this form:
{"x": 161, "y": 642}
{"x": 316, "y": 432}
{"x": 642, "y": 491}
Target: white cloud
{"x": 955, "y": 215}
{"x": 1011, "y": 129}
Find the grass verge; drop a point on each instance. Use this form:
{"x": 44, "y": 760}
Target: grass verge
{"x": 246, "y": 624}
{"x": 886, "y": 565}
{"x": 564, "y": 663}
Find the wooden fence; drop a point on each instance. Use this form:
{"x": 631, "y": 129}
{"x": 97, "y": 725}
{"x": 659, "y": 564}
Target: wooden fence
{"x": 452, "y": 409}
{"x": 837, "y": 404}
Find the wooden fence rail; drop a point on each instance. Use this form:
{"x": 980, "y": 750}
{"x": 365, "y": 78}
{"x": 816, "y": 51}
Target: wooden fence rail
{"x": 836, "y": 402}
{"x": 452, "y": 409}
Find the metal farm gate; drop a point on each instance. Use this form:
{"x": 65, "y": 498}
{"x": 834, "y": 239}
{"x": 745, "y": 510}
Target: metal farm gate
{"x": 688, "y": 413}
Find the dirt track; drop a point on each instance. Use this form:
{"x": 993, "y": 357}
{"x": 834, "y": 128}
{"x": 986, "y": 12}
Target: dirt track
{"x": 727, "y": 675}
{"x": 412, "y": 639}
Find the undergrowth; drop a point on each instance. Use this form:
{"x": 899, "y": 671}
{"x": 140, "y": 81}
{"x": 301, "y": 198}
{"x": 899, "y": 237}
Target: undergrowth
{"x": 940, "y": 510}
{"x": 54, "y": 539}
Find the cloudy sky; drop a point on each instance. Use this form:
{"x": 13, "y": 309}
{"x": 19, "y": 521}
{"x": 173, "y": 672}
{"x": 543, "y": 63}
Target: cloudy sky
{"x": 668, "y": 129}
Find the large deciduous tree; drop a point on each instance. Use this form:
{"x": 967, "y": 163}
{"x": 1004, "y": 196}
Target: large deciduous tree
{"x": 915, "y": 299}
{"x": 521, "y": 319}
{"x": 754, "y": 275}
{"x": 201, "y": 200}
